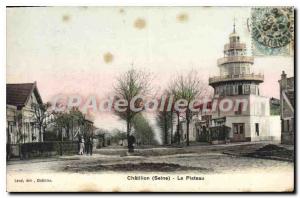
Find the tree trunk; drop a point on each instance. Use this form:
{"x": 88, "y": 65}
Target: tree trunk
{"x": 62, "y": 139}
{"x": 178, "y": 125}
{"x": 128, "y": 132}
{"x": 165, "y": 128}
{"x": 72, "y": 130}
{"x": 68, "y": 132}
{"x": 128, "y": 128}
{"x": 187, "y": 128}
{"x": 171, "y": 126}
{"x": 40, "y": 133}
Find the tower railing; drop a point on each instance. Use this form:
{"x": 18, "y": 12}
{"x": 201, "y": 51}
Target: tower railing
{"x": 254, "y": 77}
{"x": 236, "y": 59}
{"x": 230, "y": 46}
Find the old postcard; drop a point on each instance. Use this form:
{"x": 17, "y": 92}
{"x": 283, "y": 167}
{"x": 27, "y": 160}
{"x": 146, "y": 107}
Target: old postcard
{"x": 150, "y": 99}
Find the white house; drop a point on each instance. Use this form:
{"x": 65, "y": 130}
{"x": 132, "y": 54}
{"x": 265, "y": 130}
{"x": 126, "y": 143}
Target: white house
{"x": 20, "y": 121}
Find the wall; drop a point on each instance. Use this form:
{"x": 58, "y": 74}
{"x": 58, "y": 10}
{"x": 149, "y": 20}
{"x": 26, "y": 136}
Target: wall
{"x": 11, "y": 129}
{"x": 41, "y": 149}
{"x": 269, "y": 128}
{"x": 258, "y": 111}
{"x": 239, "y": 119}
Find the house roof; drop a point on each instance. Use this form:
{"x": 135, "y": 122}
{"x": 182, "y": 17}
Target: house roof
{"x": 18, "y": 94}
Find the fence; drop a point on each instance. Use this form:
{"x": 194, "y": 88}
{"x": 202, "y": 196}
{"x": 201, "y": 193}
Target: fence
{"x": 219, "y": 133}
{"x": 41, "y": 149}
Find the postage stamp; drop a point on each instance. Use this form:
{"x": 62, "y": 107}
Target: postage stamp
{"x": 272, "y": 31}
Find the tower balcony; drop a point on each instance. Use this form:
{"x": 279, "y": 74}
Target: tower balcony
{"x": 231, "y": 46}
{"x": 240, "y": 77}
{"x": 236, "y": 59}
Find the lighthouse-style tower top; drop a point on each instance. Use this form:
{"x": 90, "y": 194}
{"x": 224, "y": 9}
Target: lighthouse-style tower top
{"x": 235, "y": 69}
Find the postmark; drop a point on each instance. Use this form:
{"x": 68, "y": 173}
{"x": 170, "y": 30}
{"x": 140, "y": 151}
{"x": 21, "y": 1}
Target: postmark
{"x": 272, "y": 31}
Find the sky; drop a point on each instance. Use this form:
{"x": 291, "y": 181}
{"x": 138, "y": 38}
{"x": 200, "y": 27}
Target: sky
{"x": 81, "y": 50}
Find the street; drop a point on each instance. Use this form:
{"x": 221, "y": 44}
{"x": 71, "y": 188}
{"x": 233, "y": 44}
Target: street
{"x": 206, "y": 159}
{"x": 110, "y": 170}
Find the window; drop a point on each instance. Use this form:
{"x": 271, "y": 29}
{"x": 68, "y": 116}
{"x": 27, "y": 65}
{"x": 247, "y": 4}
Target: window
{"x": 247, "y": 70}
{"x": 238, "y": 128}
{"x": 217, "y": 90}
{"x": 240, "y": 109}
{"x": 228, "y": 90}
{"x": 240, "y": 89}
{"x": 246, "y": 89}
{"x": 241, "y": 128}
{"x": 231, "y": 90}
{"x": 235, "y": 129}
{"x": 243, "y": 70}
{"x": 230, "y": 70}
{"x": 222, "y": 91}
{"x": 235, "y": 90}
{"x": 10, "y": 135}
{"x": 237, "y": 70}
{"x": 257, "y": 129}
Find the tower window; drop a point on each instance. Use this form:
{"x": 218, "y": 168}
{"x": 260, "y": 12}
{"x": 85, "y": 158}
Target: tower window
{"x": 228, "y": 90}
{"x": 246, "y": 89}
{"x": 240, "y": 109}
{"x": 240, "y": 89}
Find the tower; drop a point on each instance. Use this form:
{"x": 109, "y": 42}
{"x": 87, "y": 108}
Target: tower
{"x": 236, "y": 74}
{"x": 250, "y": 121}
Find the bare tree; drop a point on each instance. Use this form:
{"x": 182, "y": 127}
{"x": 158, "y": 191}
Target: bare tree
{"x": 173, "y": 90}
{"x": 40, "y": 115}
{"x": 188, "y": 87}
{"x": 130, "y": 84}
{"x": 67, "y": 120}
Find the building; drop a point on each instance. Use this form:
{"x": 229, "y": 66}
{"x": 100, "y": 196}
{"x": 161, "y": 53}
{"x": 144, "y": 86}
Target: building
{"x": 287, "y": 105}
{"x": 199, "y": 125}
{"x": 249, "y": 120}
{"x": 21, "y": 126}
{"x": 274, "y": 106}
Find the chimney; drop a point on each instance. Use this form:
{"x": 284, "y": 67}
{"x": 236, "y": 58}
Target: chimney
{"x": 283, "y": 75}
{"x": 283, "y": 81}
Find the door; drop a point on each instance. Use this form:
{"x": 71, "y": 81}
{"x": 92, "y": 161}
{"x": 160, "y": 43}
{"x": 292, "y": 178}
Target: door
{"x": 203, "y": 134}
{"x": 238, "y": 132}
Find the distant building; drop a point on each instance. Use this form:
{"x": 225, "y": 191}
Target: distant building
{"x": 274, "y": 106}
{"x": 287, "y": 105}
{"x": 183, "y": 131}
{"x": 103, "y": 138}
{"x": 199, "y": 125}
{"x": 20, "y": 123}
{"x": 237, "y": 81}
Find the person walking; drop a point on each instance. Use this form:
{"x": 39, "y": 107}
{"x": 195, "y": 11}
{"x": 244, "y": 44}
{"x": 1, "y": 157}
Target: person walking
{"x": 131, "y": 142}
{"x": 81, "y": 146}
{"x": 87, "y": 145}
{"x": 91, "y": 146}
